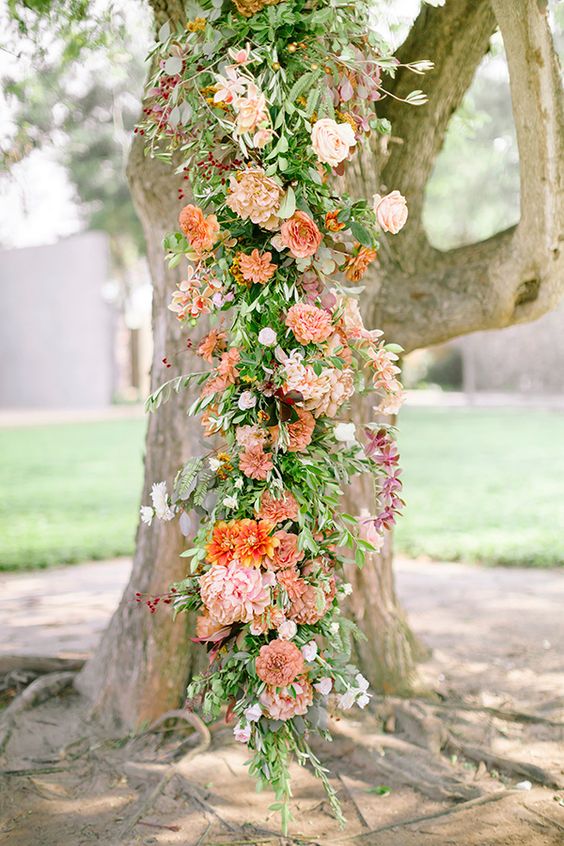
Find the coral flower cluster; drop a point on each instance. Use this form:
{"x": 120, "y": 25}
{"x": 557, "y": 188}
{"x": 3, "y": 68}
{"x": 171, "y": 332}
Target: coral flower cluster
{"x": 272, "y": 255}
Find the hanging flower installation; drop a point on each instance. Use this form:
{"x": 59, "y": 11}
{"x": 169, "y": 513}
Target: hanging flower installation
{"x": 261, "y": 107}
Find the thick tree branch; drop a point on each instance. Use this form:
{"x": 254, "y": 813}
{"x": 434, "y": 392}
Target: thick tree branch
{"x": 538, "y": 113}
{"x": 424, "y": 296}
{"x": 455, "y": 38}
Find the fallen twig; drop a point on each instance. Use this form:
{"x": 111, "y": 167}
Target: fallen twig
{"x": 33, "y": 771}
{"x": 159, "y": 825}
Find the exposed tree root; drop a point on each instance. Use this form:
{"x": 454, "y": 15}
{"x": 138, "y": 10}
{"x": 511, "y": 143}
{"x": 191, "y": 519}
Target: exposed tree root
{"x": 146, "y": 803}
{"x": 38, "y": 664}
{"x": 500, "y": 713}
{"x": 38, "y": 691}
{"x": 507, "y": 765}
{"x": 456, "y": 809}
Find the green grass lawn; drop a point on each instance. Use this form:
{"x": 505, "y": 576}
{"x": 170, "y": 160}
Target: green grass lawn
{"x": 69, "y": 492}
{"x": 480, "y": 486}
{"x": 483, "y": 485}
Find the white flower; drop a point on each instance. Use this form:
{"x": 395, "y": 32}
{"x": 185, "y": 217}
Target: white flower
{"x": 346, "y": 700}
{"x": 287, "y": 630}
{"x": 253, "y": 713}
{"x": 267, "y": 337}
{"x": 159, "y": 497}
{"x": 346, "y": 589}
{"x": 309, "y": 651}
{"x": 247, "y": 400}
{"x": 324, "y": 686}
{"x": 239, "y": 483}
{"x": 147, "y": 514}
{"x": 363, "y": 700}
{"x": 334, "y": 628}
{"x": 242, "y": 733}
{"x": 214, "y": 463}
{"x": 230, "y": 502}
{"x": 345, "y": 433}
{"x": 362, "y": 683}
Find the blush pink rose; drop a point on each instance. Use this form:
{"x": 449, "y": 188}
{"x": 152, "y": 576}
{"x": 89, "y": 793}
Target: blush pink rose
{"x": 332, "y": 141}
{"x": 300, "y": 235}
{"x": 391, "y": 211}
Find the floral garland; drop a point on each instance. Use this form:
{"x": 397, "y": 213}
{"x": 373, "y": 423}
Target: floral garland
{"x": 258, "y": 113}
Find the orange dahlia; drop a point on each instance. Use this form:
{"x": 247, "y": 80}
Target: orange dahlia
{"x": 256, "y": 267}
{"x": 254, "y": 542}
{"x": 222, "y": 548}
{"x": 279, "y": 662}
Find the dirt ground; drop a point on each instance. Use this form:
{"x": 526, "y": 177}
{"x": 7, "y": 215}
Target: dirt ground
{"x": 481, "y": 762}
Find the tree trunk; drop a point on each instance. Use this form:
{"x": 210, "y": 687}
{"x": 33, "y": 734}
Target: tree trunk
{"x": 144, "y": 660}
{"x": 420, "y": 296}
{"x": 388, "y": 655}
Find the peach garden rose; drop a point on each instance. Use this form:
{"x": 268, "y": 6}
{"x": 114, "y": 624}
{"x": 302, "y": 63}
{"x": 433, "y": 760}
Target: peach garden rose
{"x": 332, "y": 141}
{"x": 300, "y": 235}
{"x": 391, "y": 211}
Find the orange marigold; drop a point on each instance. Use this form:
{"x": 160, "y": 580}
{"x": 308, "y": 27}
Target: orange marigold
{"x": 279, "y": 662}
{"x": 201, "y": 231}
{"x": 256, "y": 267}
{"x": 223, "y": 546}
{"x": 356, "y": 266}
{"x": 254, "y": 542}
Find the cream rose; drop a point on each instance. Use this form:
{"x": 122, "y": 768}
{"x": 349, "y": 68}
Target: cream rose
{"x": 391, "y": 211}
{"x": 332, "y": 141}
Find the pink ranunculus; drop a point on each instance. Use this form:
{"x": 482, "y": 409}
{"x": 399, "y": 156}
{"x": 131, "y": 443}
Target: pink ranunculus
{"x": 287, "y": 630}
{"x": 288, "y": 702}
{"x": 301, "y": 235}
{"x": 332, "y": 141}
{"x": 234, "y": 593}
{"x": 391, "y": 211}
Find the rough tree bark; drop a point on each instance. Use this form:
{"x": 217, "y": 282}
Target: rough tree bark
{"x": 420, "y": 296}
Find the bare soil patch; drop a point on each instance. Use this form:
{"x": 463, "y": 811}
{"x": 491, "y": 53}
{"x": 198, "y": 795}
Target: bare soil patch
{"x": 451, "y": 762}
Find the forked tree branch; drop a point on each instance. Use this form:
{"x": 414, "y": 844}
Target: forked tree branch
{"x": 425, "y": 296}
{"x": 455, "y": 38}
